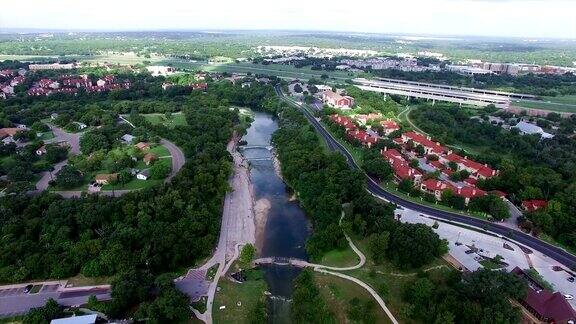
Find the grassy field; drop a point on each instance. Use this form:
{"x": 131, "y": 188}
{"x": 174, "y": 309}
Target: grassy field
{"x": 338, "y": 292}
{"x": 248, "y": 293}
{"x": 178, "y": 119}
{"x": 389, "y": 281}
{"x": 135, "y": 184}
{"x": 559, "y": 104}
{"x": 79, "y": 281}
{"x": 46, "y": 135}
{"x": 340, "y": 258}
{"x": 279, "y": 70}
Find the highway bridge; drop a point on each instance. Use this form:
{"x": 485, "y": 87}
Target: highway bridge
{"x": 551, "y": 251}
{"x": 434, "y": 92}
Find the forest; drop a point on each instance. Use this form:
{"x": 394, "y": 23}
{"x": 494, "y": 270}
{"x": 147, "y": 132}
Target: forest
{"x": 139, "y": 238}
{"x": 530, "y": 167}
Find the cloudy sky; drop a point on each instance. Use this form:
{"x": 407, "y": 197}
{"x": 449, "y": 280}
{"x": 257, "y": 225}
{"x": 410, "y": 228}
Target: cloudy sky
{"x": 522, "y": 18}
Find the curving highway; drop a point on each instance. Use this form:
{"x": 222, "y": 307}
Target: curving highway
{"x": 551, "y": 251}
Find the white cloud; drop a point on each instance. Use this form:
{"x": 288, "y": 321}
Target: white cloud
{"x": 532, "y": 18}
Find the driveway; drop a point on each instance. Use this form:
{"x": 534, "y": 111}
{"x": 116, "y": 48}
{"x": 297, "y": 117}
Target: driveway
{"x": 60, "y": 135}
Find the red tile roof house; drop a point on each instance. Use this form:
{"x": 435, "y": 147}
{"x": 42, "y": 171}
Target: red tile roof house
{"x": 402, "y": 169}
{"x": 389, "y": 126}
{"x": 535, "y": 204}
{"x": 363, "y": 137}
{"x": 48, "y": 84}
{"x": 436, "y": 187}
{"x": 336, "y": 100}
{"x": 468, "y": 193}
{"x": 77, "y": 82}
{"x": 344, "y": 121}
{"x": 430, "y": 147}
{"x": 199, "y": 86}
{"x": 6, "y": 73}
{"x": 363, "y": 119}
{"x": 38, "y": 92}
{"x": 543, "y": 304}
{"x": 17, "y": 80}
{"x": 477, "y": 170}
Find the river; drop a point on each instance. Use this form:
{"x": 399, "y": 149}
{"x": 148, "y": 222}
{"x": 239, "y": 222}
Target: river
{"x": 287, "y": 227}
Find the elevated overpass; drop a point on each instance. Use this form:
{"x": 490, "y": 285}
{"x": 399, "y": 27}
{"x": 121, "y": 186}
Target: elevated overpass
{"x": 470, "y": 96}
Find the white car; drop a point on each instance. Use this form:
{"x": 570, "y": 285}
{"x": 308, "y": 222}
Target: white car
{"x": 568, "y": 297}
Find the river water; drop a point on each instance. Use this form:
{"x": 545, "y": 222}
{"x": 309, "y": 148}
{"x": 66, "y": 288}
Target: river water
{"x": 287, "y": 227}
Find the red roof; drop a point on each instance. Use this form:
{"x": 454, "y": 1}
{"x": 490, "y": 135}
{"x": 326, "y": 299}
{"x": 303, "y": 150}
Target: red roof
{"x": 434, "y": 185}
{"x": 470, "y": 192}
{"x": 389, "y": 124}
{"x": 482, "y": 169}
{"x": 362, "y": 136}
{"x": 532, "y": 205}
{"x": 548, "y": 306}
{"x": 391, "y": 154}
{"x": 471, "y": 181}
{"x": 343, "y": 121}
{"x": 436, "y": 164}
{"x": 426, "y": 142}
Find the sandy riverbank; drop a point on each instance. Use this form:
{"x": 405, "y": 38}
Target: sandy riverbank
{"x": 261, "y": 209}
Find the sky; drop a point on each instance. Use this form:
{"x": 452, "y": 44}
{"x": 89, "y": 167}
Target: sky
{"x": 508, "y": 18}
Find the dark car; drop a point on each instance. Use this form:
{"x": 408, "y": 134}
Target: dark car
{"x": 469, "y": 252}
{"x": 571, "y": 279}
{"x": 28, "y": 288}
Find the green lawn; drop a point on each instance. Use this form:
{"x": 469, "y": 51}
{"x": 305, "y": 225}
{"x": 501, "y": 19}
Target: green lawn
{"x": 177, "y": 119}
{"x": 248, "y": 293}
{"x": 338, "y": 292}
{"x": 279, "y": 70}
{"x": 389, "y": 281}
{"x": 490, "y": 264}
{"x": 46, "y": 136}
{"x": 160, "y": 150}
{"x": 559, "y": 104}
{"x": 340, "y": 258}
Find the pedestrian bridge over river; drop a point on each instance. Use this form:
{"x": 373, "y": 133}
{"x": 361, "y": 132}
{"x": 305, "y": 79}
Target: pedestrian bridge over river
{"x": 284, "y": 262}
{"x": 256, "y": 147}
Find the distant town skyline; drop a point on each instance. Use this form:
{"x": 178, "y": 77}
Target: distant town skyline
{"x": 504, "y": 18}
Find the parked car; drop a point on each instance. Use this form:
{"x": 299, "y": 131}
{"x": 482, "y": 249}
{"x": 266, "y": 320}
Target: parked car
{"x": 568, "y": 297}
{"x": 28, "y": 288}
{"x": 570, "y": 279}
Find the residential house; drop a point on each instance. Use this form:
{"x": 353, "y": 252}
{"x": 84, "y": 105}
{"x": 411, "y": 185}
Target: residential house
{"x": 81, "y": 319}
{"x": 344, "y": 121}
{"x": 9, "y": 132}
{"x": 6, "y": 73}
{"x": 199, "y": 86}
{"x": 149, "y": 158}
{"x": 435, "y": 187}
{"x": 430, "y": 147}
{"x": 7, "y": 89}
{"x": 363, "y": 119}
{"x": 143, "y": 175}
{"x": 38, "y": 91}
{"x": 81, "y": 125}
{"x": 477, "y": 170}
{"x": 534, "y": 204}
{"x": 469, "y": 193}
{"x": 529, "y": 129}
{"x": 167, "y": 85}
{"x": 142, "y": 146}
{"x": 17, "y": 81}
{"x": 106, "y": 178}
{"x": 336, "y": 100}
{"x": 402, "y": 169}
{"x": 389, "y": 126}
{"x": 127, "y": 138}
{"x": 48, "y": 84}
{"x": 41, "y": 150}
{"x": 547, "y": 306}
{"x": 363, "y": 137}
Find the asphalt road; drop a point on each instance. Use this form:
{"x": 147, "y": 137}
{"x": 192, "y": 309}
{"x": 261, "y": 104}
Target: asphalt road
{"x": 178, "y": 158}
{"x": 556, "y": 253}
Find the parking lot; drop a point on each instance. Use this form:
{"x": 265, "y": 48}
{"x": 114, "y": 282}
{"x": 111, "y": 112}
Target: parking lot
{"x": 491, "y": 245}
